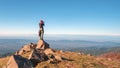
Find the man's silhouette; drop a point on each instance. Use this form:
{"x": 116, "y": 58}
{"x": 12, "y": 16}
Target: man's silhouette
{"x": 41, "y": 31}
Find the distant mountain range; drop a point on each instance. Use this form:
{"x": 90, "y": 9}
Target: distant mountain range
{"x": 11, "y": 45}
{"x": 99, "y": 38}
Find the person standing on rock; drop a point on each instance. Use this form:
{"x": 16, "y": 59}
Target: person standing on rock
{"x": 41, "y": 31}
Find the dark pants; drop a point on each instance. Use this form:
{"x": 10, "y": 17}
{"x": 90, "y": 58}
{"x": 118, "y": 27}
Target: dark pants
{"x": 41, "y": 33}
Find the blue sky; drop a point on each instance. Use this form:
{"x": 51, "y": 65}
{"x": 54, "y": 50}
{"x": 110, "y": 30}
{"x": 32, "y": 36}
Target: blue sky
{"x": 86, "y": 17}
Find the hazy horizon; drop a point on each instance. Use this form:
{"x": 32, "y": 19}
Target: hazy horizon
{"x": 98, "y": 38}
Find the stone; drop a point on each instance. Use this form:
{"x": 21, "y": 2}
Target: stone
{"x": 17, "y": 61}
{"x": 37, "y": 56}
{"x": 61, "y": 51}
{"x": 49, "y": 51}
{"x": 42, "y": 45}
{"x": 109, "y": 59}
{"x": 55, "y": 57}
{"x": 58, "y": 58}
{"x": 89, "y": 55}
{"x": 26, "y": 48}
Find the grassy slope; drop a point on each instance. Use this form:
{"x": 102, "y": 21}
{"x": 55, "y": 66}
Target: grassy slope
{"x": 80, "y": 61}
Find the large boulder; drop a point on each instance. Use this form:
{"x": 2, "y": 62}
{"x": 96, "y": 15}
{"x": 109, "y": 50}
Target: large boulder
{"x": 17, "y": 61}
{"x": 26, "y": 48}
{"x": 42, "y": 45}
{"x": 37, "y": 56}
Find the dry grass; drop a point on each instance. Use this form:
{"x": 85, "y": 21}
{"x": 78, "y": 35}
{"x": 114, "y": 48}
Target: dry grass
{"x": 3, "y": 61}
{"x": 75, "y": 60}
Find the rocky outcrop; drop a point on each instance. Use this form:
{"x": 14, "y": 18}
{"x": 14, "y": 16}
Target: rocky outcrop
{"x": 42, "y": 45}
{"x": 26, "y": 48}
{"x": 16, "y": 61}
{"x": 37, "y": 56}
{"x": 35, "y": 53}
